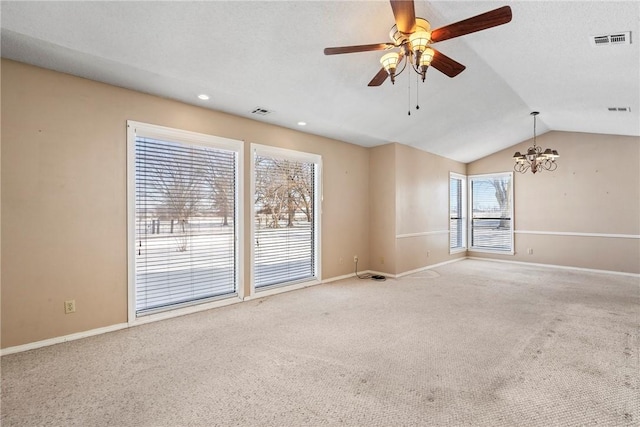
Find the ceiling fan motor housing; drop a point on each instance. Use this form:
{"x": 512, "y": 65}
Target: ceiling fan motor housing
{"x": 399, "y": 38}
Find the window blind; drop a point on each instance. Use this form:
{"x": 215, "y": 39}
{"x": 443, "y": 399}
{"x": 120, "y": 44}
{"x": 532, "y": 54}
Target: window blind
{"x": 491, "y": 212}
{"x": 185, "y": 230}
{"x": 456, "y": 214}
{"x": 284, "y": 221}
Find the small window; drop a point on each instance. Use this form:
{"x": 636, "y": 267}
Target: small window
{"x": 457, "y": 213}
{"x": 491, "y": 217}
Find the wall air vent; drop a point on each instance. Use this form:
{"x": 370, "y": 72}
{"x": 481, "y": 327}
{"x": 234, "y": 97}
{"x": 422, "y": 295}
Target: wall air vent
{"x": 260, "y": 111}
{"x": 620, "y": 109}
{"x": 610, "y": 39}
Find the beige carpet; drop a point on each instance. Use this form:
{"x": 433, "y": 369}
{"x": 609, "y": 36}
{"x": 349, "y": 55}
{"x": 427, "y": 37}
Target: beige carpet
{"x": 470, "y": 343}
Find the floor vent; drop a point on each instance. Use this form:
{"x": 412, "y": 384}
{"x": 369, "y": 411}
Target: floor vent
{"x": 620, "y": 109}
{"x": 609, "y": 39}
{"x": 260, "y": 111}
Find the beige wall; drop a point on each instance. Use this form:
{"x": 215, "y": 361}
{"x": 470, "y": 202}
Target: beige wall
{"x": 382, "y": 197}
{"x": 63, "y": 233}
{"x": 409, "y": 208}
{"x": 64, "y": 208}
{"x": 595, "y": 190}
{"x": 422, "y": 208}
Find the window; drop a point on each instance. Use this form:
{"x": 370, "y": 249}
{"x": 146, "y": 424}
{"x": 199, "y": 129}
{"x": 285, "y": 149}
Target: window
{"x": 286, "y": 188}
{"x": 183, "y": 213}
{"x": 491, "y": 212}
{"x": 457, "y": 212}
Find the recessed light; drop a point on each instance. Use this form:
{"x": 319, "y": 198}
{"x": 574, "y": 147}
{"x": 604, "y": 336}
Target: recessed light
{"x": 302, "y": 123}
{"x": 203, "y": 96}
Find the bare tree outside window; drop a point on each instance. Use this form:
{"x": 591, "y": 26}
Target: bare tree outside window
{"x": 219, "y": 176}
{"x": 180, "y": 183}
{"x": 283, "y": 189}
{"x": 502, "y": 191}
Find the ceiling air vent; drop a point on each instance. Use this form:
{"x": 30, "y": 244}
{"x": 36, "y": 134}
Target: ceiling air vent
{"x": 609, "y": 39}
{"x": 260, "y": 111}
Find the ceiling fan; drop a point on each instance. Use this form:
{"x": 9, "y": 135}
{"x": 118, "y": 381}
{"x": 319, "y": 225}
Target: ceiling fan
{"x": 412, "y": 37}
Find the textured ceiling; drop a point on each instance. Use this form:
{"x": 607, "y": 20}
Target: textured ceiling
{"x": 269, "y": 54}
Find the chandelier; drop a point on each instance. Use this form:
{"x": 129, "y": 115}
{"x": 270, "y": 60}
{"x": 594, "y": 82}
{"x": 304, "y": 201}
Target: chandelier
{"x": 535, "y": 159}
{"x": 416, "y": 52}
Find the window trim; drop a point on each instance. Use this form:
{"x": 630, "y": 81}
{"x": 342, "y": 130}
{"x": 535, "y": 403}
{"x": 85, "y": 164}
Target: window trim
{"x": 135, "y": 128}
{"x": 471, "y": 248}
{"x": 299, "y": 156}
{"x": 463, "y": 210}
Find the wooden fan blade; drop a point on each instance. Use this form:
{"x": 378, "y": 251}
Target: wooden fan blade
{"x": 357, "y": 48}
{"x": 486, "y": 20}
{"x": 379, "y": 78}
{"x": 446, "y": 65}
{"x": 405, "y": 15}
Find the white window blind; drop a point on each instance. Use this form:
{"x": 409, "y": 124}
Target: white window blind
{"x": 491, "y": 219}
{"x": 185, "y": 223}
{"x": 285, "y": 219}
{"x": 457, "y": 212}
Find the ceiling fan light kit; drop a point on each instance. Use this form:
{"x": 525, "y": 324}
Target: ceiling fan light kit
{"x": 535, "y": 159}
{"x": 412, "y": 37}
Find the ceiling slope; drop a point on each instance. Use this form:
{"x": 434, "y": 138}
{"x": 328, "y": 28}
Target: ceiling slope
{"x": 270, "y": 54}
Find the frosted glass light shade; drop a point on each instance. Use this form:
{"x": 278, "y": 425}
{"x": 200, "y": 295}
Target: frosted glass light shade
{"x": 426, "y": 57}
{"x": 390, "y": 61}
{"x": 419, "y": 40}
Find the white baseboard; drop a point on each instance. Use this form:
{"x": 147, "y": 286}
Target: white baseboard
{"x": 119, "y": 326}
{"x": 429, "y": 267}
{"x": 159, "y": 316}
{"x": 336, "y": 278}
{"x": 563, "y": 267}
{"x": 406, "y": 273}
{"x": 65, "y": 338}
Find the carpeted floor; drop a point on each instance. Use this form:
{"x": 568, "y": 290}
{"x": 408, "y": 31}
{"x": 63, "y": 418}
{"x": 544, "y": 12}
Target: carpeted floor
{"x": 470, "y": 343}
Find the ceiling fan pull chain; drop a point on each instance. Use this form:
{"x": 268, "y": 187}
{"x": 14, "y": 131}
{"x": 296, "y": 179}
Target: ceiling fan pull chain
{"x": 409, "y": 97}
{"x": 417, "y": 93}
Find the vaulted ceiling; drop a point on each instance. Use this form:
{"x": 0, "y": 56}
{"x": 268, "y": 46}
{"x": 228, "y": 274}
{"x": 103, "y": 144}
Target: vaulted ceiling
{"x": 246, "y": 55}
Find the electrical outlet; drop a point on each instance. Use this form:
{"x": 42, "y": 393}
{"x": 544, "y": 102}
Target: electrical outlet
{"x": 530, "y": 251}
{"x": 70, "y": 306}
{"x": 341, "y": 261}
{"x": 428, "y": 254}
{"x": 355, "y": 258}
{"x": 381, "y": 260}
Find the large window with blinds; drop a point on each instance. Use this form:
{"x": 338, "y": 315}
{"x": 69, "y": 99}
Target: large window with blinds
{"x": 491, "y": 213}
{"x": 286, "y": 223}
{"x": 457, "y": 212}
{"x": 183, "y": 208}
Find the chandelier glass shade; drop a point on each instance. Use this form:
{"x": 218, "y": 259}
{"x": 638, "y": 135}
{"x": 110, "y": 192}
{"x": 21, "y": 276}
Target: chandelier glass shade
{"x": 535, "y": 158}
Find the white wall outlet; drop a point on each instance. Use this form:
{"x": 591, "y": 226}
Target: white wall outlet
{"x": 530, "y": 251}
{"x": 70, "y": 306}
{"x": 381, "y": 260}
{"x": 355, "y": 258}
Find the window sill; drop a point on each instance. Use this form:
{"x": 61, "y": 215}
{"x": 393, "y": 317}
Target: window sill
{"x": 492, "y": 251}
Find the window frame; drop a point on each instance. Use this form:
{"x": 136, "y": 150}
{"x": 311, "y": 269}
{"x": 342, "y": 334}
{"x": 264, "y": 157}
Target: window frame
{"x": 293, "y": 155}
{"x": 471, "y": 248}
{"x": 147, "y": 130}
{"x": 462, "y": 209}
